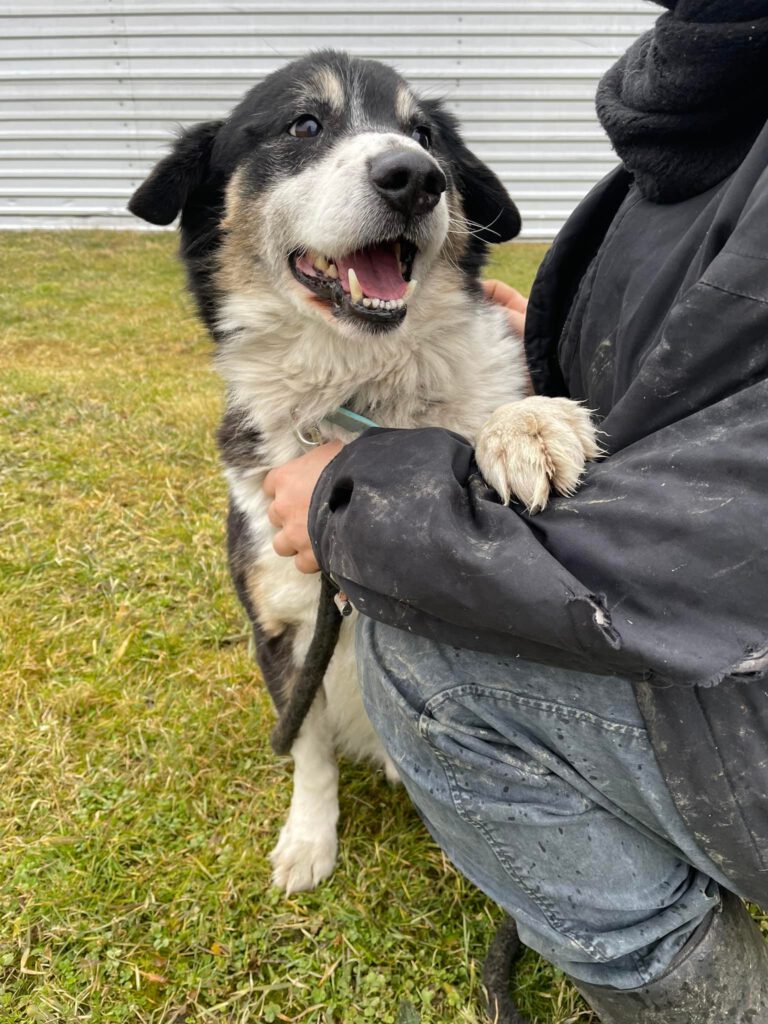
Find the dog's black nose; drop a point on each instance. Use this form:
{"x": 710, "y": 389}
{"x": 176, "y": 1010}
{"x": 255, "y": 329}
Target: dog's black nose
{"x": 411, "y": 182}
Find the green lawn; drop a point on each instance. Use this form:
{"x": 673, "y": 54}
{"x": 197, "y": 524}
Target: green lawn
{"x": 138, "y": 794}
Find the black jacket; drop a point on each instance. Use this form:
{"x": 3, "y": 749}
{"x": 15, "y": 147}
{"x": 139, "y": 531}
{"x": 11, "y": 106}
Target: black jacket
{"x": 656, "y": 315}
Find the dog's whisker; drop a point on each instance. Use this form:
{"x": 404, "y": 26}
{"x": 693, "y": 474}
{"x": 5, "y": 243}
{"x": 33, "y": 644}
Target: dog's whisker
{"x": 487, "y": 227}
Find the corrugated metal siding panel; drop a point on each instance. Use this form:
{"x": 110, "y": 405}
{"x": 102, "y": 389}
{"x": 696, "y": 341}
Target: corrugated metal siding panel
{"x": 91, "y": 91}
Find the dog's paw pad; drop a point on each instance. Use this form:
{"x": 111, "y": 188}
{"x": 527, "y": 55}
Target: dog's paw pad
{"x": 300, "y": 863}
{"x": 528, "y": 448}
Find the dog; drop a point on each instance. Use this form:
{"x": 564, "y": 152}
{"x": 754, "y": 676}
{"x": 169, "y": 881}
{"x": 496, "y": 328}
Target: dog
{"x": 333, "y": 228}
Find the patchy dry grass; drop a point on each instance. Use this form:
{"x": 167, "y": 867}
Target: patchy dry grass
{"x": 138, "y": 796}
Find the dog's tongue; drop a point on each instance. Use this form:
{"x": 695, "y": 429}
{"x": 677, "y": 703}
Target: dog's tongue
{"x": 378, "y": 272}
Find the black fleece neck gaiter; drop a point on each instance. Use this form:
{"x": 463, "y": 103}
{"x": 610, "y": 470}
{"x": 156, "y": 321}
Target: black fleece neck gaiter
{"x": 684, "y": 104}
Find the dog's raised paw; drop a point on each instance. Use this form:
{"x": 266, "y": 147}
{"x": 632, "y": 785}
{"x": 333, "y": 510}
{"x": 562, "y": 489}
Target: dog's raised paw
{"x": 300, "y": 863}
{"x": 531, "y": 447}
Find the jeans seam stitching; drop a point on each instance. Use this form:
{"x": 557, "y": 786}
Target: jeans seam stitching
{"x": 564, "y": 711}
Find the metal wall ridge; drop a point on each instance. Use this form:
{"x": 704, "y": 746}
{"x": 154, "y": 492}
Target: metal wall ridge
{"x": 462, "y": 7}
{"x": 392, "y": 53}
{"x": 125, "y": 72}
{"x": 436, "y": 31}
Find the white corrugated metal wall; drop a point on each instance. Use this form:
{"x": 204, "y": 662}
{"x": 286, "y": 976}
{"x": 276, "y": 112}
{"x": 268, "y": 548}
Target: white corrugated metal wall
{"x": 90, "y": 91}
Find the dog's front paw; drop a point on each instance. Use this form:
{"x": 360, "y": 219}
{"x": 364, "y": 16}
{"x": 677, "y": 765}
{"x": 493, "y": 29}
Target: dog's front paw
{"x": 300, "y": 862}
{"x": 529, "y": 447}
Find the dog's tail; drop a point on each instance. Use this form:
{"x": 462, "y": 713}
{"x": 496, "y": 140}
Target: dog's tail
{"x": 310, "y": 678}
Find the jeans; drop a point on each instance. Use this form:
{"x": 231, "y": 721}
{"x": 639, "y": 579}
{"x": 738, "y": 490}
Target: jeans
{"x": 541, "y": 786}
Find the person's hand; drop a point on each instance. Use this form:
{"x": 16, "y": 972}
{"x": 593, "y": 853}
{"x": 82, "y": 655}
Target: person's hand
{"x": 290, "y": 487}
{"x": 511, "y": 299}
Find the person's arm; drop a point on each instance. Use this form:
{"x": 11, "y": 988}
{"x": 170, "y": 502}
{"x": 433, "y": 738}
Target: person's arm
{"x": 658, "y": 565}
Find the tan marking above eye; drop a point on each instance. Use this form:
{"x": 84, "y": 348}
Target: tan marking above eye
{"x": 405, "y": 105}
{"x": 326, "y": 86}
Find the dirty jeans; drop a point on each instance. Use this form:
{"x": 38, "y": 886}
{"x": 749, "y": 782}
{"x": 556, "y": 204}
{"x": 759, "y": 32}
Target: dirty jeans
{"x": 541, "y": 786}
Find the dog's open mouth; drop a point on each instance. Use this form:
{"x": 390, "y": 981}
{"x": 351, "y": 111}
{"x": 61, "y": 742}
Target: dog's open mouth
{"x": 373, "y": 284}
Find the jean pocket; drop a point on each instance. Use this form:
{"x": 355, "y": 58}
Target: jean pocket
{"x": 504, "y": 786}
{"x": 498, "y": 769}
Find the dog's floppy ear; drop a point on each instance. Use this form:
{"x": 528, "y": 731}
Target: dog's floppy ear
{"x": 493, "y": 215}
{"x": 174, "y": 179}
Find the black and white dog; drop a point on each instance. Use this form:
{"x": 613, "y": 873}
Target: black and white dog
{"x": 333, "y": 227}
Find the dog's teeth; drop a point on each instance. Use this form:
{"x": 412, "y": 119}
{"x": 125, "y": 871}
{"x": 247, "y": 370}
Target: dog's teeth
{"x": 402, "y": 268}
{"x": 355, "y": 291}
{"x": 399, "y": 304}
{"x": 367, "y": 303}
{"x": 412, "y": 285}
{"x": 321, "y": 263}
{"x": 332, "y": 271}
{"x": 375, "y": 303}
{"x": 397, "y": 250}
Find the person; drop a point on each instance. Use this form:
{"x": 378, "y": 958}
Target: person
{"x": 577, "y": 701}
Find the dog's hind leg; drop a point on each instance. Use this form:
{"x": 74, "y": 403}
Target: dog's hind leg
{"x": 306, "y": 851}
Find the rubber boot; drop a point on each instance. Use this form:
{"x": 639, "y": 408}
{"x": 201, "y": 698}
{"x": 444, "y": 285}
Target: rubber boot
{"x": 720, "y": 976}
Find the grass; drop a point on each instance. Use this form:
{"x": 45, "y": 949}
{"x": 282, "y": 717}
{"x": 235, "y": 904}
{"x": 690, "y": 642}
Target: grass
{"x": 139, "y": 797}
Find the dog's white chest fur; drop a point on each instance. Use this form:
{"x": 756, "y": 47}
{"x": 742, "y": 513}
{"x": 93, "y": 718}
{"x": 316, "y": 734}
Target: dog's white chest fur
{"x": 451, "y": 363}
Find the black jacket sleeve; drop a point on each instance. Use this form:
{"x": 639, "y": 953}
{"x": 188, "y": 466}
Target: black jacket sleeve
{"x": 658, "y": 567}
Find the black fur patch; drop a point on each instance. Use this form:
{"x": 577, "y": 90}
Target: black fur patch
{"x": 187, "y": 181}
{"x": 492, "y": 215}
{"x": 239, "y": 441}
{"x": 274, "y": 654}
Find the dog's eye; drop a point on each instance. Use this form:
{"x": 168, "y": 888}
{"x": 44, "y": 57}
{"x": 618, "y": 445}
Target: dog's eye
{"x": 422, "y": 137}
{"x": 305, "y": 127}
